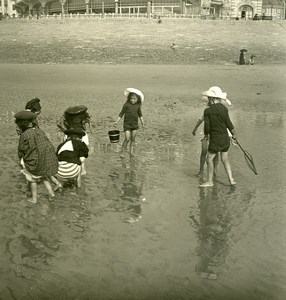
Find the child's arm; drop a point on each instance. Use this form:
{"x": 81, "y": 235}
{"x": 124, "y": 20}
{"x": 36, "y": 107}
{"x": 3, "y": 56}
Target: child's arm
{"x": 121, "y": 114}
{"x": 115, "y": 124}
{"x": 234, "y": 135}
{"x": 200, "y": 121}
{"x": 142, "y": 121}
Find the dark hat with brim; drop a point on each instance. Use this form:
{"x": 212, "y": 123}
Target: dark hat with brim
{"x": 74, "y": 110}
{"x": 75, "y": 131}
{"x": 25, "y": 115}
{"x": 33, "y": 104}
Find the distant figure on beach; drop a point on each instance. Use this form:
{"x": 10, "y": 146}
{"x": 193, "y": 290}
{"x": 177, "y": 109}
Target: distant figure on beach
{"x": 173, "y": 46}
{"x": 216, "y": 124}
{"x": 131, "y": 111}
{"x": 251, "y": 60}
{"x": 36, "y": 153}
{"x": 241, "y": 57}
{"x": 159, "y": 20}
{"x": 71, "y": 156}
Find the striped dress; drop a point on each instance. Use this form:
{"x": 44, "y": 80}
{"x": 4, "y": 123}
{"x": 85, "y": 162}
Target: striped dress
{"x": 69, "y": 153}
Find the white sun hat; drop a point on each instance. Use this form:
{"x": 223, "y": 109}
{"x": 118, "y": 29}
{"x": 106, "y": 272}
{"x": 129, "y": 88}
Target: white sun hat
{"x": 216, "y": 92}
{"x": 135, "y": 91}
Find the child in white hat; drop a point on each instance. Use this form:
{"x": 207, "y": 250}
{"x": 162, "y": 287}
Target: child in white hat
{"x": 131, "y": 111}
{"x": 216, "y": 126}
{"x": 204, "y": 140}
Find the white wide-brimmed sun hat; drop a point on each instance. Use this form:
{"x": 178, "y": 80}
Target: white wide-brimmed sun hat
{"x": 135, "y": 91}
{"x": 216, "y": 92}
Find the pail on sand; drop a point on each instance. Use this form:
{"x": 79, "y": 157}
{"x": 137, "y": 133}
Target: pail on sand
{"x": 114, "y": 136}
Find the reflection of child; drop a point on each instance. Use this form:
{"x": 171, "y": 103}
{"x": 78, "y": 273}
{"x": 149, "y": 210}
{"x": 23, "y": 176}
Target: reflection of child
{"x": 216, "y": 123}
{"x": 131, "y": 111}
{"x": 71, "y": 155}
{"x": 36, "y": 153}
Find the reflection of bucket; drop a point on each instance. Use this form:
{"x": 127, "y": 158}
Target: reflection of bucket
{"x": 114, "y": 136}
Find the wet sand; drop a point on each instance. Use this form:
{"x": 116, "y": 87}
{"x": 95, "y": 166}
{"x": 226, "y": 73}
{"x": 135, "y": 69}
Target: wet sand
{"x": 141, "y": 228}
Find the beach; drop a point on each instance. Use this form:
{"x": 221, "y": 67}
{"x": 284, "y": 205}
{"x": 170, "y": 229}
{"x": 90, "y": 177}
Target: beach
{"x": 141, "y": 228}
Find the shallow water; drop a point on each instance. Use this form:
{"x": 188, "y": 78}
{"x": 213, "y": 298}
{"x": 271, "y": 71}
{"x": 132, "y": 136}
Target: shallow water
{"x": 141, "y": 228}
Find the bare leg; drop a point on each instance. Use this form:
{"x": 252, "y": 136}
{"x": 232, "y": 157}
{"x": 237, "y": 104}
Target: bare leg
{"x": 209, "y": 182}
{"x": 83, "y": 169}
{"x": 215, "y": 161}
{"x": 125, "y": 142}
{"x": 48, "y": 187}
{"x": 34, "y": 193}
{"x": 203, "y": 156}
{"x": 227, "y": 167}
{"x": 56, "y": 182}
{"x": 132, "y": 141}
{"x": 78, "y": 181}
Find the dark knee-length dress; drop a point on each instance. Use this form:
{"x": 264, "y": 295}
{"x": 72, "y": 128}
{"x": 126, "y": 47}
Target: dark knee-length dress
{"x": 131, "y": 113}
{"x": 216, "y": 123}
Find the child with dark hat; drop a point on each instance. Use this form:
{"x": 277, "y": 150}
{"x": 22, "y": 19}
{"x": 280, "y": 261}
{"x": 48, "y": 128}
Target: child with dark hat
{"x": 74, "y": 117}
{"x": 36, "y": 153}
{"x": 71, "y": 155}
{"x": 34, "y": 106}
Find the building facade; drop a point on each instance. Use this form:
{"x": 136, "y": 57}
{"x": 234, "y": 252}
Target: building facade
{"x": 222, "y": 9}
{"x": 8, "y": 8}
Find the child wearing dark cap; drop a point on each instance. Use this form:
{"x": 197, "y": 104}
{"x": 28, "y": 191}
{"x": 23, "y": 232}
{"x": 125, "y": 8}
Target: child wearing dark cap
{"x": 34, "y": 106}
{"x": 75, "y": 117}
{"x": 71, "y": 156}
{"x": 36, "y": 153}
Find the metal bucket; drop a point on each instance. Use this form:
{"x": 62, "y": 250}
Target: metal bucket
{"x": 114, "y": 136}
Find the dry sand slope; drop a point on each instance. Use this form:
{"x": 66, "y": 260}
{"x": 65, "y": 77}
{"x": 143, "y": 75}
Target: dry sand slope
{"x": 141, "y": 41}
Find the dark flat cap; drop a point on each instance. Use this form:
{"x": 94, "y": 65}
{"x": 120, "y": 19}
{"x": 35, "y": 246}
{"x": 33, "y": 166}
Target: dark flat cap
{"x": 75, "y": 131}
{"x": 33, "y": 105}
{"x": 74, "y": 110}
{"x": 25, "y": 115}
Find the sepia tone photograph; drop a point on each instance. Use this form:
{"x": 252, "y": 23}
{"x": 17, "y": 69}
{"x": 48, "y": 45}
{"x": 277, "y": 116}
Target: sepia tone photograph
{"x": 143, "y": 149}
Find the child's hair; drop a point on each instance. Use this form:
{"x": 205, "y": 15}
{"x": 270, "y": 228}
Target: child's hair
{"x": 76, "y": 120}
{"x": 25, "y": 124}
{"x": 34, "y": 105}
{"x": 137, "y": 96}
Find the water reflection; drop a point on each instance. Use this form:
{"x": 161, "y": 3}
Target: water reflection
{"x": 212, "y": 224}
{"x": 130, "y": 190}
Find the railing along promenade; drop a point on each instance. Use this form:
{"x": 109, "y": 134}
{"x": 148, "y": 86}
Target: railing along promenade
{"x": 120, "y": 16}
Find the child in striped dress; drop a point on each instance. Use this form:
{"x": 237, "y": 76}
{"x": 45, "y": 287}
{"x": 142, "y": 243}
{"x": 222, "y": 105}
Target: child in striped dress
{"x": 71, "y": 155}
